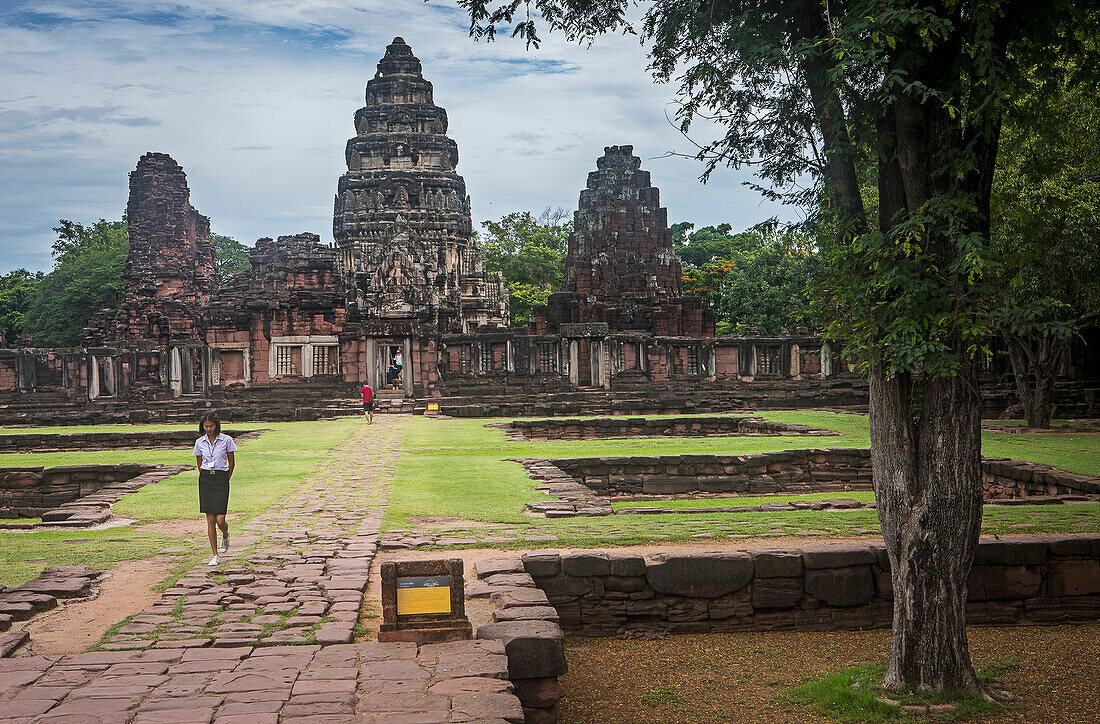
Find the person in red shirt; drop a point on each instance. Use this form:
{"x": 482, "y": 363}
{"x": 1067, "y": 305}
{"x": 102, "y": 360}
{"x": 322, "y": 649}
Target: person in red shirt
{"x": 368, "y": 403}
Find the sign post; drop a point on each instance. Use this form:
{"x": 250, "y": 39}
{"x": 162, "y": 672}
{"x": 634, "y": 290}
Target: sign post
{"x": 423, "y": 602}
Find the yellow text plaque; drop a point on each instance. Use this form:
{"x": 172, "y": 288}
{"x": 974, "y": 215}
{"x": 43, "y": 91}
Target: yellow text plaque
{"x": 433, "y": 407}
{"x": 423, "y": 594}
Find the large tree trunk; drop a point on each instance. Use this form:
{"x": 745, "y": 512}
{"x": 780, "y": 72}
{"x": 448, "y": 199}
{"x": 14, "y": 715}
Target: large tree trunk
{"x": 1036, "y": 360}
{"x": 926, "y": 461}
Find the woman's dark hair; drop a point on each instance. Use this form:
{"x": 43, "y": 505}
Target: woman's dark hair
{"x": 212, "y": 417}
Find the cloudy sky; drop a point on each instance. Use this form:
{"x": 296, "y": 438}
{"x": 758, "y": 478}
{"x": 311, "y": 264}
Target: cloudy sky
{"x": 254, "y": 98}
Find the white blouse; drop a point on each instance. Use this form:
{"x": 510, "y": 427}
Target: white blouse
{"x": 215, "y": 455}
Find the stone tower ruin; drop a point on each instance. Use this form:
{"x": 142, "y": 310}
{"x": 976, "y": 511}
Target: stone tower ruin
{"x": 170, "y": 274}
{"x": 402, "y": 217}
{"x": 621, "y": 271}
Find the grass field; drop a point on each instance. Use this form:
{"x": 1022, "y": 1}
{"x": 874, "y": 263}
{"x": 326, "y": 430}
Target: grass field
{"x": 465, "y": 473}
{"x": 267, "y": 468}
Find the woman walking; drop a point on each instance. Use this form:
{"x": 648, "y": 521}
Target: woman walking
{"x": 214, "y": 455}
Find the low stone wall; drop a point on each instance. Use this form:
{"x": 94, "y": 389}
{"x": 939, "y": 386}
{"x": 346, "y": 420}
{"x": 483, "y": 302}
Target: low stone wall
{"x": 73, "y": 495}
{"x": 528, "y": 626}
{"x": 136, "y": 439}
{"x": 585, "y": 486}
{"x": 788, "y": 471}
{"x": 630, "y": 427}
{"x": 1025, "y": 580}
{"x": 1005, "y": 478}
{"x": 23, "y": 602}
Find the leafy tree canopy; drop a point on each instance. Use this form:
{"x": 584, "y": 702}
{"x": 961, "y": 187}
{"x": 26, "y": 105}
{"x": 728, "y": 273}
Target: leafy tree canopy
{"x": 1046, "y": 207}
{"x": 760, "y": 278}
{"x": 16, "y": 289}
{"x": 87, "y": 277}
{"x": 530, "y": 251}
{"x": 230, "y": 256}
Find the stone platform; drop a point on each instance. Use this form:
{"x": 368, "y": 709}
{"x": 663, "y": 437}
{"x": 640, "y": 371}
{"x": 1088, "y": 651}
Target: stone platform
{"x": 394, "y": 683}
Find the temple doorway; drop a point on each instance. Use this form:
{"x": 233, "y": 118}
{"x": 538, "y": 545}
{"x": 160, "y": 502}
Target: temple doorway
{"x": 394, "y": 372}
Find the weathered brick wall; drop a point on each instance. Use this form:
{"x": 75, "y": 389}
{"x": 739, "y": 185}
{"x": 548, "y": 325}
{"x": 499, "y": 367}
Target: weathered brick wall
{"x": 1026, "y": 580}
{"x": 28, "y": 492}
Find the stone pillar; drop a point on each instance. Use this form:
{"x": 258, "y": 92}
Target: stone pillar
{"x": 175, "y": 375}
{"x": 407, "y": 368}
{"x": 574, "y": 356}
{"x": 509, "y": 356}
{"x": 93, "y": 377}
{"x": 826, "y": 359}
{"x": 372, "y": 363}
{"x": 796, "y": 361}
{"x": 307, "y": 360}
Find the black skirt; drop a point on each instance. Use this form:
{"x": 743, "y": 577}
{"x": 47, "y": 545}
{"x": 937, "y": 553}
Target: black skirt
{"x": 213, "y": 491}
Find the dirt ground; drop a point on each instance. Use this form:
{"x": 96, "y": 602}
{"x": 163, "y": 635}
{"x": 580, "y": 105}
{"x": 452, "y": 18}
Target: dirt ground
{"x": 74, "y": 626}
{"x": 741, "y": 677}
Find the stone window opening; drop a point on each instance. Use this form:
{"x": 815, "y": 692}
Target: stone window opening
{"x": 326, "y": 360}
{"x": 693, "y": 361}
{"x": 545, "y": 357}
{"x": 284, "y": 360}
{"x": 486, "y": 357}
{"x": 768, "y": 360}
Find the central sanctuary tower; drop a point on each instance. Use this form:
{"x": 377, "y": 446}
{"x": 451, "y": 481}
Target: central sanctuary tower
{"x": 402, "y": 216}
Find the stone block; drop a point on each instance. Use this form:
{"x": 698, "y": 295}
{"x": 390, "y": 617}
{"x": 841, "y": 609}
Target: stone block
{"x": 838, "y": 556}
{"x": 776, "y": 592}
{"x": 562, "y": 585}
{"x": 542, "y": 565}
{"x": 540, "y": 693}
{"x": 626, "y": 564}
{"x": 1011, "y": 552}
{"x": 850, "y": 586}
{"x": 1000, "y": 582}
{"x": 701, "y": 576}
{"x": 777, "y": 564}
{"x": 1073, "y": 578}
{"x": 586, "y": 563}
{"x": 535, "y": 649}
{"x": 625, "y": 584}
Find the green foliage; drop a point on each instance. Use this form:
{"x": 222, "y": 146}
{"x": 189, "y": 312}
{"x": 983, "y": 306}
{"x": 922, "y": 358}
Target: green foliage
{"x": 530, "y": 251}
{"x": 16, "y": 288}
{"x": 760, "y": 279}
{"x": 1046, "y": 206}
{"x": 87, "y": 277}
{"x": 853, "y": 695}
{"x": 662, "y": 696}
{"x": 802, "y": 89}
{"x": 230, "y": 256}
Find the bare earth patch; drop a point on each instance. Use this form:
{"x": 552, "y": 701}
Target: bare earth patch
{"x": 444, "y": 522}
{"x": 75, "y": 626}
{"x": 741, "y": 677}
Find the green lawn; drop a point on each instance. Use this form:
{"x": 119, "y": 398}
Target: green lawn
{"x": 459, "y": 468}
{"x": 267, "y": 468}
{"x": 462, "y": 470}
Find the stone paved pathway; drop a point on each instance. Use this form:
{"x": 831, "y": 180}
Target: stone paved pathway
{"x": 369, "y": 683}
{"x": 293, "y": 583}
{"x": 297, "y": 574}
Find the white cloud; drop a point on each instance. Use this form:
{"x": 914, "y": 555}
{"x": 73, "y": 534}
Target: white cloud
{"x": 255, "y": 101}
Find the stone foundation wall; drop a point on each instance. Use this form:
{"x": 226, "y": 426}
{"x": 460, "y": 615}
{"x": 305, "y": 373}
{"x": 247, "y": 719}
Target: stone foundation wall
{"x": 1027, "y": 580}
{"x": 620, "y": 427}
{"x": 137, "y": 440}
{"x": 28, "y": 492}
{"x": 789, "y": 471}
{"x": 796, "y": 471}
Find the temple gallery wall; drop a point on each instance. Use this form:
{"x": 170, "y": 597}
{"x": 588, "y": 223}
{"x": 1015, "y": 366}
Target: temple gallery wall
{"x": 402, "y": 300}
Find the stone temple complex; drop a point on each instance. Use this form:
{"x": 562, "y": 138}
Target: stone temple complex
{"x": 403, "y": 300}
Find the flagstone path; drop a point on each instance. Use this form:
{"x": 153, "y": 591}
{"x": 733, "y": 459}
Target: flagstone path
{"x": 292, "y": 583}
